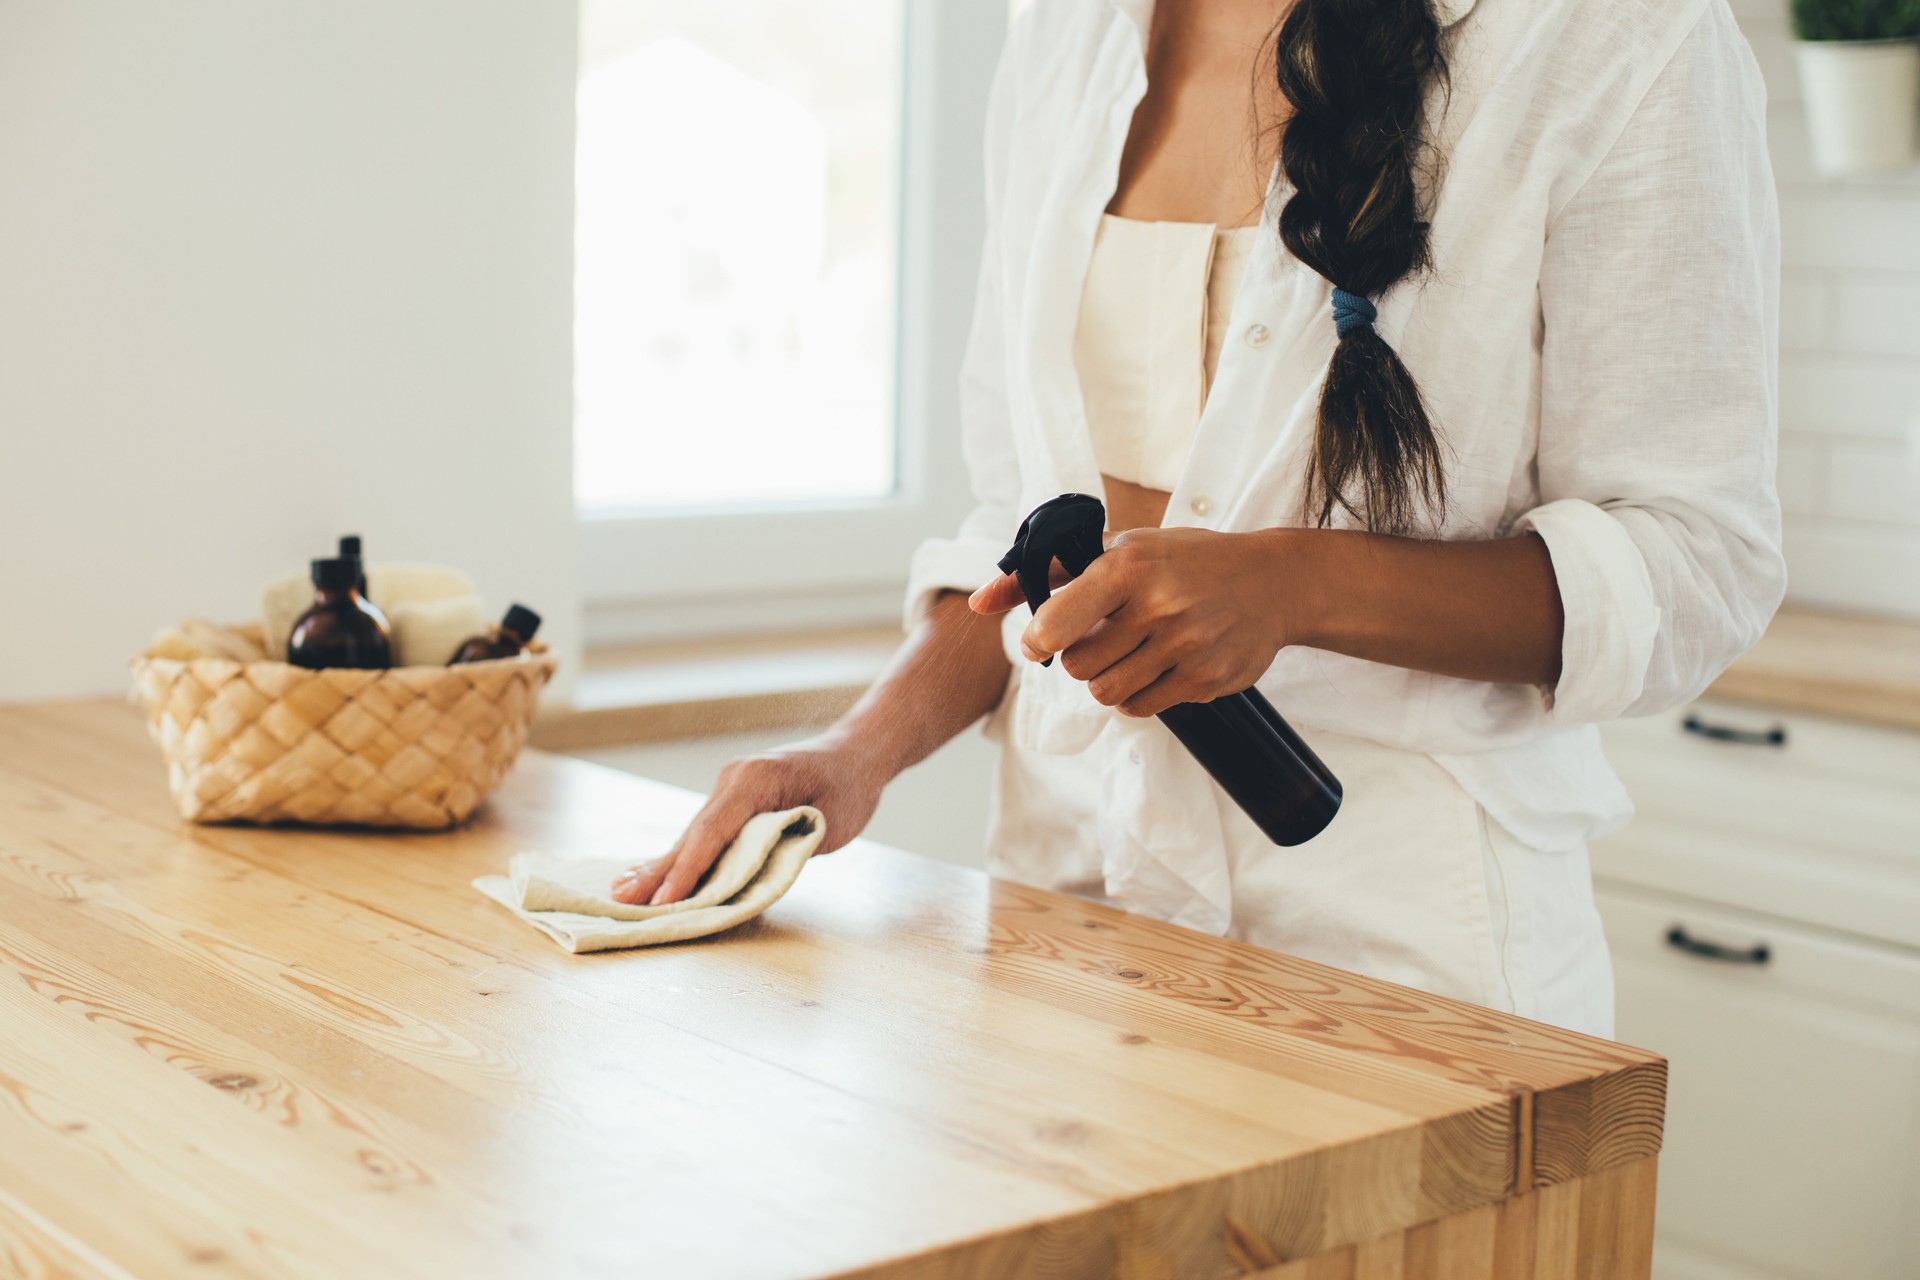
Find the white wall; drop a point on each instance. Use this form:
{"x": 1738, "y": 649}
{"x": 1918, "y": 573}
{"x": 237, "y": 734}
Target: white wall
{"x": 272, "y": 271}
{"x": 1850, "y": 358}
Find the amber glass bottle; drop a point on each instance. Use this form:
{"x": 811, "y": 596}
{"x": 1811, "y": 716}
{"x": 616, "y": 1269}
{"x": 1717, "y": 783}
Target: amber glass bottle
{"x": 342, "y": 628}
{"x": 501, "y": 641}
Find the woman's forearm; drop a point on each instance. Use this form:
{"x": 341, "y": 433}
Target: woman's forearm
{"x": 1177, "y": 615}
{"x": 1485, "y": 610}
{"x": 950, "y": 672}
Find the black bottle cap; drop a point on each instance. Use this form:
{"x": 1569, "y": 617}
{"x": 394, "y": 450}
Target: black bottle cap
{"x": 350, "y": 546}
{"x": 336, "y": 575}
{"x": 522, "y": 621}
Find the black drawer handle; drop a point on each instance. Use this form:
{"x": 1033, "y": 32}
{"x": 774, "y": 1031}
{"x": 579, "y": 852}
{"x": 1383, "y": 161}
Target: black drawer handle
{"x": 1680, "y": 940}
{"x": 1774, "y": 737}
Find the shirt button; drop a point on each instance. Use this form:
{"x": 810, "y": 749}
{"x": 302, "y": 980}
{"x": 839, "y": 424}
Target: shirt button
{"x": 1257, "y": 335}
{"x": 1133, "y": 754}
{"x": 1201, "y": 505}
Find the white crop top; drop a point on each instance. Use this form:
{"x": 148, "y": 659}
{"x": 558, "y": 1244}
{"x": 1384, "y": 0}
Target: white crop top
{"x": 1153, "y": 314}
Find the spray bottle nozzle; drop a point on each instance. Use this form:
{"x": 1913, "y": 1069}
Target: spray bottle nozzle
{"x": 1069, "y": 529}
{"x": 1239, "y": 739}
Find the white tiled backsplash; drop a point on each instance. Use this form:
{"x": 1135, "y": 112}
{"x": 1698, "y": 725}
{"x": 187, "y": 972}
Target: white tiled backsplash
{"x": 1849, "y": 358}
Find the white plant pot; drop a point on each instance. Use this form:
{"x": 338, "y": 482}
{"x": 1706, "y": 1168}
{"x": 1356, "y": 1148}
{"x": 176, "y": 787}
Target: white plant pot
{"x": 1863, "y": 102}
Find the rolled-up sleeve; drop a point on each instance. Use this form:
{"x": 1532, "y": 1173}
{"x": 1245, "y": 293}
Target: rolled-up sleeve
{"x": 971, "y": 557}
{"x": 1659, "y": 302}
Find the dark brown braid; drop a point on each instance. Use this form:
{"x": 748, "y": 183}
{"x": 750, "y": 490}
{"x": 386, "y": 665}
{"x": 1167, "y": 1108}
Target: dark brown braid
{"x": 1356, "y": 73}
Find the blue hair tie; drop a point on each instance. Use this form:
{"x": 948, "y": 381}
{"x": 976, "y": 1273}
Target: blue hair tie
{"x": 1350, "y": 312}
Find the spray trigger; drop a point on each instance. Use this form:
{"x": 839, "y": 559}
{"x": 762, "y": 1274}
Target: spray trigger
{"x": 1068, "y": 529}
{"x": 1239, "y": 739}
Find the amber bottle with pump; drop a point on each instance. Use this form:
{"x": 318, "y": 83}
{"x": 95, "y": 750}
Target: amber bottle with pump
{"x": 342, "y": 628}
{"x": 501, "y": 641}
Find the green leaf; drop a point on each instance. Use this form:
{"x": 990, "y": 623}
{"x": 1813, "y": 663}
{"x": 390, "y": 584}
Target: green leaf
{"x": 1856, "y": 19}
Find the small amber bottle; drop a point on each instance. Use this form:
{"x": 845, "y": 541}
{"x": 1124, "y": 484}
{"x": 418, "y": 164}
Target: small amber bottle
{"x": 509, "y": 637}
{"x": 342, "y": 628}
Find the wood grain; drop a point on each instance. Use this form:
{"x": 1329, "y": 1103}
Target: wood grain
{"x": 1594, "y": 1228}
{"x": 218, "y": 1044}
{"x": 33, "y": 1249}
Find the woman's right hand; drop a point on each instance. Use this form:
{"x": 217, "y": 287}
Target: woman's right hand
{"x": 949, "y": 673}
{"x": 823, "y": 772}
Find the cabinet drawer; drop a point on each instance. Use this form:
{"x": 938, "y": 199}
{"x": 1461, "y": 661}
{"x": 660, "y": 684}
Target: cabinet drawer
{"x": 1793, "y": 1106}
{"x": 1823, "y": 828}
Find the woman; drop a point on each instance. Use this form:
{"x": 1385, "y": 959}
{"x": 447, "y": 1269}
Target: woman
{"x": 1424, "y": 351}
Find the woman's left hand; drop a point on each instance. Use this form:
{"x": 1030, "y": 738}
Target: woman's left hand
{"x": 1167, "y": 616}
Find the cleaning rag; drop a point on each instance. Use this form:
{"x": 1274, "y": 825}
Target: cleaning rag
{"x": 570, "y": 899}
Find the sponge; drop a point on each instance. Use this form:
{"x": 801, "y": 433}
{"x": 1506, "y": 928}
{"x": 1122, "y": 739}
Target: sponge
{"x": 426, "y": 632}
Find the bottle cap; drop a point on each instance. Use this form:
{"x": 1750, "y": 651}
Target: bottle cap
{"x": 522, "y": 621}
{"x": 350, "y": 546}
{"x": 335, "y": 575}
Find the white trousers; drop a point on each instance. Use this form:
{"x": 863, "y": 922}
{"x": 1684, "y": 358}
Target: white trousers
{"x": 1413, "y": 882}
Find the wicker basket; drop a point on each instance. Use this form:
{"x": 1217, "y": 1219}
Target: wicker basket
{"x": 271, "y": 742}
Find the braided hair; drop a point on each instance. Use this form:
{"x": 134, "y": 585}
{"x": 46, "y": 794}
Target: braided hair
{"x": 1355, "y": 73}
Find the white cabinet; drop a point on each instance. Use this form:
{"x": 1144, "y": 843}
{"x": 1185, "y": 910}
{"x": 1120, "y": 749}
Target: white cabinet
{"x": 1793, "y": 1104}
{"x": 1764, "y": 915}
{"x": 1823, "y": 827}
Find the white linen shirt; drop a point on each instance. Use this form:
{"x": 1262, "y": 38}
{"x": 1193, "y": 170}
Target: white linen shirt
{"x": 1596, "y": 344}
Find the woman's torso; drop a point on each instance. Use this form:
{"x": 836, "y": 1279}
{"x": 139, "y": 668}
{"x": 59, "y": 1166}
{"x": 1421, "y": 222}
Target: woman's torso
{"x": 1153, "y": 319}
{"x": 1174, "y": 238}
{"x": 1468, "y": 330}
{"x": 1416, "y": 881}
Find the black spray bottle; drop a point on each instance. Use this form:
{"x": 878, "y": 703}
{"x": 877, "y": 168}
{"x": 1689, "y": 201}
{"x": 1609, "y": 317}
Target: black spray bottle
{"x": 1253, "y": 754}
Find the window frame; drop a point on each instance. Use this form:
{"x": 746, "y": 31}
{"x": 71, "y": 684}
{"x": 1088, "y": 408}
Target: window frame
{"x": 841, "y": 562}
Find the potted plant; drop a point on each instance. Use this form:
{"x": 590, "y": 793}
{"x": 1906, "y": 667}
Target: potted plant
{"x": 1860, "y": 72}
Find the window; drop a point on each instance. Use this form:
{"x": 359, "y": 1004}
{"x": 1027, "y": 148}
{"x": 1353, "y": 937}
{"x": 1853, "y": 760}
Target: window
{"x": 766, "y": 340}
{"x": 739, "y": 174}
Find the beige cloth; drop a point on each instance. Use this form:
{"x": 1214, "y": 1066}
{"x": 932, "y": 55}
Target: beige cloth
{"x": 570, "y": 899}
{"x": 1154, "y": 312}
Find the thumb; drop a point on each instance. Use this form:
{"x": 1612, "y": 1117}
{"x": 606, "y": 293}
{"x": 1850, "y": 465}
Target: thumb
{"x": 1005, "y": 592}
{"x": 998, "y": 596}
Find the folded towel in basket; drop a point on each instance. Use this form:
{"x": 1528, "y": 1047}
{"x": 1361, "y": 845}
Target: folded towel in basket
{"x": 571, "y": 900}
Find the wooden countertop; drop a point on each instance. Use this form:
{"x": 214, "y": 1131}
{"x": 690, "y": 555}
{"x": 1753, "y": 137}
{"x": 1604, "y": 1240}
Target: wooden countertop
{"x": 1847, "y": 665}
{"x": 228, "y": 1051}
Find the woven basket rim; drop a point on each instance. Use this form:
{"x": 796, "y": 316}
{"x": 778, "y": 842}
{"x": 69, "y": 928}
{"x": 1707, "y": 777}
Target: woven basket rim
{"x": 524, "y": 658}
{"x": 536, "y": 653}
